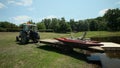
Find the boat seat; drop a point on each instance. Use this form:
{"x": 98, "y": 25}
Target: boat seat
{"x": 83, "y": 36}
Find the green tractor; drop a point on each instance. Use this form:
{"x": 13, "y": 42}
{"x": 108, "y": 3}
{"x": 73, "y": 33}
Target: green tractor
{"x": 28, "y": 32}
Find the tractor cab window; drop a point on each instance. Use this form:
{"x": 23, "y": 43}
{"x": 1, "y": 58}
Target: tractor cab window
{"x": 30, "y": 28}
{"x": 34, "y": 28}
{"x": 26, "y": 28}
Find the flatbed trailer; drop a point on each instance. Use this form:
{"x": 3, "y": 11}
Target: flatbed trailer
{"x": 67, "y": 48}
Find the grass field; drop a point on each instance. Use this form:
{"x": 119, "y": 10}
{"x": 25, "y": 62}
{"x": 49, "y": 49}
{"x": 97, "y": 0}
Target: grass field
{"x": 78, "y": 34}
{"x": 13, "y": 55}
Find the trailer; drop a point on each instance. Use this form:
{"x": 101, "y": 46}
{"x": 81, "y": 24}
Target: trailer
{"x": 67, "y": 48}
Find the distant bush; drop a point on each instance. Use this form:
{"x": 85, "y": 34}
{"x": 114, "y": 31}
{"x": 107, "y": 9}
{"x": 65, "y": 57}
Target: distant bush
{"x": 2, "y": 29}
{"x": 13, "y": 30}
{"x": 45, "y": 30}
{"x": 9, "y": 29}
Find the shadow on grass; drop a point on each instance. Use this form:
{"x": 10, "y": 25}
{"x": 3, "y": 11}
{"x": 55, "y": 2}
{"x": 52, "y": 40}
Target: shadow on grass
{"x": 73, "y": 54}
{"x": 25, "y": 43}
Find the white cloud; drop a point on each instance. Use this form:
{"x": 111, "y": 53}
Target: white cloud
{"x": 50, "y": 17}
{"x": 2, "y": 5}
{"x": 102, "y": 12}
{"x": 21, "y": 2}
{"x": 21, "y": 19}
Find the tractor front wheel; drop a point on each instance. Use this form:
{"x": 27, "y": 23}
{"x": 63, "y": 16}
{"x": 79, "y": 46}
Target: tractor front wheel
{"x": 17, "y": 38}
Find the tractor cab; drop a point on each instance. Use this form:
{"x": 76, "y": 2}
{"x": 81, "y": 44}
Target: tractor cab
{"x": 28, "y": 32}
{"x": 28, "y": 27}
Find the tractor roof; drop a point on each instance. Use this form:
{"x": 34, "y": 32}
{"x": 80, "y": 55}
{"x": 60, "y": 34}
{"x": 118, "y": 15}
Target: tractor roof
{"x": 30, "y": 24}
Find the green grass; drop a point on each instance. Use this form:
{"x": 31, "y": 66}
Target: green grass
{"x": 89, "y": 34}
{"x": 13, "y": 55}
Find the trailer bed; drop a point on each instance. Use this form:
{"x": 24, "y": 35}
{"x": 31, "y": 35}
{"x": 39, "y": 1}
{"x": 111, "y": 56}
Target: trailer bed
{"x": 60, "y": 44}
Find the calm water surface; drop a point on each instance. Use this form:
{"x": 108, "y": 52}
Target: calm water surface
{"x": 109, "y": 59}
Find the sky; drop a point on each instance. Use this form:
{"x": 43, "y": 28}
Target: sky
{"x": 21, "y": 11}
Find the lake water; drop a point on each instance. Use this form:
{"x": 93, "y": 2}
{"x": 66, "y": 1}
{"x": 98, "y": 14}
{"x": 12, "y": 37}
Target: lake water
{"x": 109, "y": 59}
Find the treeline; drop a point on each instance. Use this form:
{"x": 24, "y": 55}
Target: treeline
{"x": 61, "y": 25}
{"x": 109, "y": 22}
{"x": 8, "y": 27}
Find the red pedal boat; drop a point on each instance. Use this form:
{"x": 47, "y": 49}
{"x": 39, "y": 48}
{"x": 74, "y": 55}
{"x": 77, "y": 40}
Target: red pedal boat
{"x": 75, "y": 42}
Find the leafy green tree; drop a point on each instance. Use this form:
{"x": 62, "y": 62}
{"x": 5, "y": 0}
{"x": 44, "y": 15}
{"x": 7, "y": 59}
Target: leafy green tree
{"x": 47, "y": 23}
{"x": 118, "y": 22}
{"x": 73, "y": 25}
{"x": 64, "y": 26}
{"x": 7, "y": 26}
{"x": 55, "y": 24}
{"x": 102, "y": 25}
{"x": 112, "y": 17}
{"x": 82, "y": 25}
{"x": 93, "y": 25}
{"x": 41, "y": 25}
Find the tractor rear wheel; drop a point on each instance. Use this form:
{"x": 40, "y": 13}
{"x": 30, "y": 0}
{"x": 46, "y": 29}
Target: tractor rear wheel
{"x": 35, "y": 40}
{"x": 24, "y": 38}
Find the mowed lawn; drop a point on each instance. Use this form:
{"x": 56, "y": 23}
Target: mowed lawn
{"x": 14, "y": 55}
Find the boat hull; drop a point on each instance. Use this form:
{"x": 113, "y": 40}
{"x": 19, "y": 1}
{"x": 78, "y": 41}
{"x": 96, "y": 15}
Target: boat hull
{"x": 77, "y": 43}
